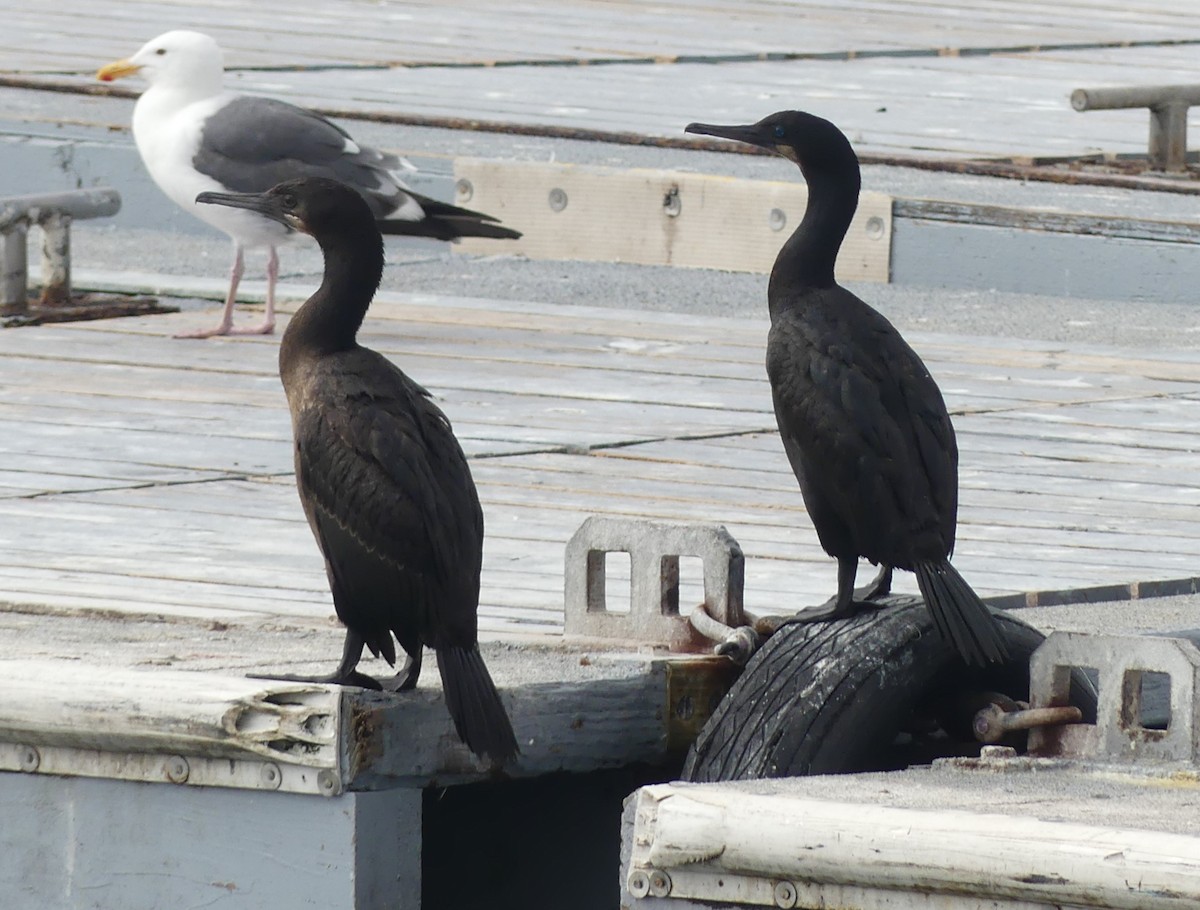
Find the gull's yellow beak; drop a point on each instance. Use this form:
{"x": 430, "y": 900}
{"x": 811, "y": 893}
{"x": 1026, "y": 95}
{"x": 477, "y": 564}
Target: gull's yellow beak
{"x": 118, "y": 69}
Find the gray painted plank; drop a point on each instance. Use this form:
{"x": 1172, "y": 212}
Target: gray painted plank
{"x": 978, "y": 79}
{"x": 1079, "y": 466}
{"x": 474, "y": 31}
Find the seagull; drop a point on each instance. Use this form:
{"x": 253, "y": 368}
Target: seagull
{"x": 194, "y": 136}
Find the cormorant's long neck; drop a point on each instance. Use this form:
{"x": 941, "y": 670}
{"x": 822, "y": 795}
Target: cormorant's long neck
{"x": 330, "y": 319}
{"x": 807, "y": 258}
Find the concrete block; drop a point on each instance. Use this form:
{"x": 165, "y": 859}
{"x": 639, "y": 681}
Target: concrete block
{"x": 654, "y": 609}
{"x": 1127, "y": 668}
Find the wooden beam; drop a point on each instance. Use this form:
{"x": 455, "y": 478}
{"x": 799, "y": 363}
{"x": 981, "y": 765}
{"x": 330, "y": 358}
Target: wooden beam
{"x": 573, "y": 710}
{"x": 694, "y": 834}
{"x": 658, "y": 217}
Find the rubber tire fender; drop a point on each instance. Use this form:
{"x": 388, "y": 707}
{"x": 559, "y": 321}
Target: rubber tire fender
{"x": 832, "y": 697}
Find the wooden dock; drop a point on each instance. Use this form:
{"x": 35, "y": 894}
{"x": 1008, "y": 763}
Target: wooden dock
{"x": 978, "y": 79}
{"x": 152, "y": 476}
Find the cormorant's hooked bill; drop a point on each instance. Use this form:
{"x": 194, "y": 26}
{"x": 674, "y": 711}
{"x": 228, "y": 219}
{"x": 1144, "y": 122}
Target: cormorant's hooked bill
{"x": 270, "y": 204}
{"x": 751, "y": 134}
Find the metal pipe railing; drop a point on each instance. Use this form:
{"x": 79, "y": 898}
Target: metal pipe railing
{"x": 53, "y": 213}
{"x": 1168, "y": 105}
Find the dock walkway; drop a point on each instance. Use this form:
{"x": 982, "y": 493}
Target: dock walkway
{"x": 152, "y": 476}
{"x": 975, "y": 79}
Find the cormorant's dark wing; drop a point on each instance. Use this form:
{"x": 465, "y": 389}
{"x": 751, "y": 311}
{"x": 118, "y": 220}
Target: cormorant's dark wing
{"x": 865, "y": 429}
{"x": 252, "y": 143}
{"x": 392, "y": 503}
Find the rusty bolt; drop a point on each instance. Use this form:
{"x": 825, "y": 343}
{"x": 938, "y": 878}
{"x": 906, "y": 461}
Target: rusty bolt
{"x": 327, "y": 782}
{"x": 993, "y": 722}
{"x": 177, "y": 769}
{"x": 660, "y": 883}
{"x": 638, "y": 883}
{"x": 785, "y": 895}
{"x": 28, "y": 758}
{"x": 270, "y": 775}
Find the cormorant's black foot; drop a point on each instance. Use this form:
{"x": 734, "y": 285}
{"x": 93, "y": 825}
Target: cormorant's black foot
{"x": 406, "y": 678}
{"x": 879, "y": 586}
{"x": 831, "y": 610}
{"x": 352, "y": 678}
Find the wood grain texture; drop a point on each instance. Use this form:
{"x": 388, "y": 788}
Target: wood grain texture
{"x": 144, "y": 475}
{"x": 911, "y": 78}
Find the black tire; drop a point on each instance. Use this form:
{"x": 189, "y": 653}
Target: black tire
{"x": 876, "y": 692}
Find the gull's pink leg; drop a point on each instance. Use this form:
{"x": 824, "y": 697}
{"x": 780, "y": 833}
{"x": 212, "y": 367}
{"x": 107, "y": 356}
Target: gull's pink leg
{"x": 268, "y": 323}
{"x": 225, "y": 326}
{"x": 267, "y": 326}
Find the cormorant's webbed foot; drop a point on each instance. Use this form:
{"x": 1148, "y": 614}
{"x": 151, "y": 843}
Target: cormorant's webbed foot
{"x": 849, "y": 600}
{"x": 830, "y": 610}
{"x": 880, "y": 586}
{"x": 352, "y": 678}
{"x": 406, "y": 678}
{"x": 346, "y": 673}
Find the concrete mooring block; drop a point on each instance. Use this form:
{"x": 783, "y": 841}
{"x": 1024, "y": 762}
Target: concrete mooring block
{"x": 654, "y": 609}
{"x": 1129, "y": 669}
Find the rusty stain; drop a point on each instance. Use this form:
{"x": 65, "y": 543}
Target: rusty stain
{"x": 366, "y": 736}
{"x": 694, "y": 687}
{"x": 81, "y": 308}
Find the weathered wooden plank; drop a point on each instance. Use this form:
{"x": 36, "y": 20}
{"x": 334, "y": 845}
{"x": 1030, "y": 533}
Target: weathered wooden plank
{"x": 469, "y": 31}
{"x": 714, "y": 838}
{"x": 879, "y": 64}
{"x": 1062, "y": 479}
{"x": 662, "y": 217}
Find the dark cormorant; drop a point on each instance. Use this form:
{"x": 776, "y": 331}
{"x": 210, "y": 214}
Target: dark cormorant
{"x": 383, "y": 481}
{"x": 194, "y": 135}
{"x": 862, "y": 421}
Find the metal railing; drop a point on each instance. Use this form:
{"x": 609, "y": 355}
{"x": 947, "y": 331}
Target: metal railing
{"x": 53, "y": 213}
{"x": 1168, "y": 105}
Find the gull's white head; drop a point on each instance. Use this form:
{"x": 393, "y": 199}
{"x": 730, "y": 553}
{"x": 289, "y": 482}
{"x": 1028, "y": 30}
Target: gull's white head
{"x": 178, "y": 59}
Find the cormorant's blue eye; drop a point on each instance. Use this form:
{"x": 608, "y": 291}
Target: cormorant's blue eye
{"x": 779, "y": 131}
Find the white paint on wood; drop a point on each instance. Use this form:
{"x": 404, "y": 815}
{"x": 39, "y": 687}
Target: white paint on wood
{"x": 68, "y": 717}
{"x": 142, "y": 477}
{"x": 719, "y": 828}
{"x": 625, "y": 215}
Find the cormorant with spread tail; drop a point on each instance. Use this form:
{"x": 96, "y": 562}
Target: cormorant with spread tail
{"x": 383, "y": 481}
{"x": 862, "y": 421}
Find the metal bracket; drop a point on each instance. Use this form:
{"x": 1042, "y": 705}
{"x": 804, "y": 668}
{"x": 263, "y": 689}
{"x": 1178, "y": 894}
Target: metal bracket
{"x": 654, "y": 609}
{"x": 1125, "y": 666}
{"x": 53, "y": 213}
{"x": 1168, "y": 105}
